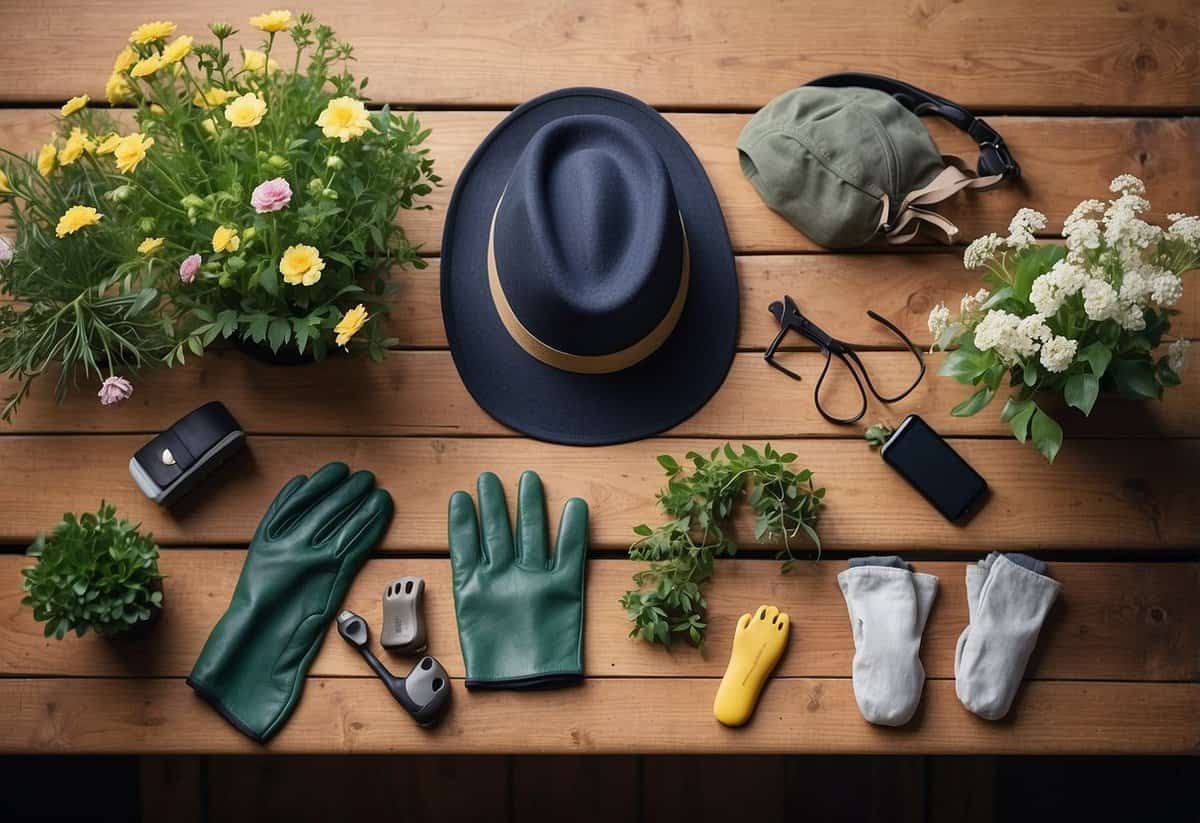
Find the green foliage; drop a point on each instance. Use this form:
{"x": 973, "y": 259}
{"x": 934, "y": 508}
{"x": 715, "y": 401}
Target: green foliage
{"x": 93, "y": 572}
{"x": 87, "y": 301}
{"x": 878, "y": 434}
{"x": 699, "y": 502}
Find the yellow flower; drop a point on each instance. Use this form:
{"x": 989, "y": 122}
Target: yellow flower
{"x": 147, "y": 66}
{"x": 47, "y": 159}
{"x": 150, "y": 245}
{"x": 4, "y": 187}
{"x": 117, "y": 89}
{"x": 131, "y": 150}
{"x": 246, "y": 112}
{"x": 76, "y": 145}
{"x": 272, "y": 21}
{"x": 255, "y": 61}
{"x": 152, "y": 32}
{"x": 209, "y": 125}
{"x": 301, "y": 265}
{"x": 350, "y": 323}
{"x": 345, "y": 118}
{"x": 178, "y": 49}
{"x": 76, "y": 218}
{"x": 225, "y": 238}
{"x": 108, "y": 145}
{"x": 75, "y": 104}
{"x": 211, "y": 98}
{"x": 156, "y": 109}
{"x": 125, "y": 60}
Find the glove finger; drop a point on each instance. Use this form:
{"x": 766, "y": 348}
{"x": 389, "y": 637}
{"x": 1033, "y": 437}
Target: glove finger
{"x": 303, "y": 498}
{"x": 284, "y": 495}
{"x": 366, "y": 525}
{"x": 329, "y": 513}
{"x": 532, "y": 537}
{"x": 465, "y": 552}
{"x": 493, "y": 517}
{"x": 570, "y": 547}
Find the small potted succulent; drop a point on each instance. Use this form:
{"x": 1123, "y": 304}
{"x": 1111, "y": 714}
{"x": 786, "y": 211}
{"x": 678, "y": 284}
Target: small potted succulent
{"x": 93, "y": 572}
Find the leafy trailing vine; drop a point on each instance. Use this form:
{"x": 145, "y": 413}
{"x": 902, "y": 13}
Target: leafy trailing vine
{"x": 700, "y": 500}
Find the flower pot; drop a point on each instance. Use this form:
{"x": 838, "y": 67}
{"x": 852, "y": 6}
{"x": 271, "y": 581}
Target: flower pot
{"x": 288, "y": 354}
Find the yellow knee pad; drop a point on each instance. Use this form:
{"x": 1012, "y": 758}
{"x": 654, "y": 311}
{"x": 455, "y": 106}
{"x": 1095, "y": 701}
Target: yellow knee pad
{"x": 758, "y": 643}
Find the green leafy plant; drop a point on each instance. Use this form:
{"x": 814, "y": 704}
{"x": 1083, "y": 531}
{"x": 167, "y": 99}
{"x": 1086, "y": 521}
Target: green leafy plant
{"x": 93, "y": 572}
{"x": 667, "y": 599}
{"x": 1081, "y": 319}
{"x": 878, "y": 434}
{"x": 93, "y": 307}
{"x": 246, "y": 201}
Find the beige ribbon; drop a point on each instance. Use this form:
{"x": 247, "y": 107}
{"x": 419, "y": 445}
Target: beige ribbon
{"x": 584, "y": 363}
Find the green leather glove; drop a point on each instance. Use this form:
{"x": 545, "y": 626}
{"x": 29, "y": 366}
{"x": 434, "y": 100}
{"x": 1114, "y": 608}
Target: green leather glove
{"x": 520, "y": 612}
{"x": 308, "y": 547}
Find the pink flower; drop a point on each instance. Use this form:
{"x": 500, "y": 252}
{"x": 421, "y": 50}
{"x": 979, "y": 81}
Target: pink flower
{"x": 114, "y": 390}
{"x": 189, "y": 267}
{"x": 271, "y": 196}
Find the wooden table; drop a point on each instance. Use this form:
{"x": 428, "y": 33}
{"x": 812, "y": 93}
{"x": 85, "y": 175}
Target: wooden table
{"x": 1081, "y": 94}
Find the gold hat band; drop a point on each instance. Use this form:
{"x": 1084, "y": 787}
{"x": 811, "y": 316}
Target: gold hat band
{"x": 585, "y": 363}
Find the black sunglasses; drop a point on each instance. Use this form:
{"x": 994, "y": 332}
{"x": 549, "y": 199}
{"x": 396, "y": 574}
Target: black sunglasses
{"x": 791, "y": 319}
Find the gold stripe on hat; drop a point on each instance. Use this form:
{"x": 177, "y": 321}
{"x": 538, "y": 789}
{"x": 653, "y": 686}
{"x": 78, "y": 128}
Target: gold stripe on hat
{"x": 585, "y": 363}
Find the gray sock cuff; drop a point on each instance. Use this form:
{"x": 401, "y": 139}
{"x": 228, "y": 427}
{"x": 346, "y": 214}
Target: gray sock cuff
{"x": 890, "y": 560}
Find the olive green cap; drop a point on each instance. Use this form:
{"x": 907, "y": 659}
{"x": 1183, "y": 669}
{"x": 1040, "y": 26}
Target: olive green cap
{"x": 838, "y": 163}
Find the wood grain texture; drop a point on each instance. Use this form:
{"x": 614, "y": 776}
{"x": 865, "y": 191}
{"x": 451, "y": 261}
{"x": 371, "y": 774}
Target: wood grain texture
{"x": 328, "y": 787}
{"x": 795, "y": 715}
{"x": 700, "y": 54}
{"x": 1064, "y": 161}
{"x": 1105, "y": 494}
{"x": 424, "y": 396}
{"x": 1113, "y": 621}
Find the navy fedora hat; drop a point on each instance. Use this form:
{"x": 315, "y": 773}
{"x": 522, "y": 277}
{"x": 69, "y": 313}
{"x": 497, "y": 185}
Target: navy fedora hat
{"x": 588, "y": 285}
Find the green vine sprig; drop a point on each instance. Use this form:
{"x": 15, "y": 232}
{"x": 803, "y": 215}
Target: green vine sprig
{"x": 667, "y": 599}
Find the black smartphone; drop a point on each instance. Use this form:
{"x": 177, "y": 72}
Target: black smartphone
{"x": 933, "y": 468}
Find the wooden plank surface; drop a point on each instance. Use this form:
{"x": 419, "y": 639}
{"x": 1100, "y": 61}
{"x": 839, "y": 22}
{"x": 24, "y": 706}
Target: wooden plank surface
{"x": 1068, "y": 160}
{"x": 425, "y": 397}
{"x": 794, "y": 715}
{"x": 699, "y": 54}
{"x": 1114, "y": 494}
{"x": 1114, "y": 621}
{"x": 1064, "y": 161}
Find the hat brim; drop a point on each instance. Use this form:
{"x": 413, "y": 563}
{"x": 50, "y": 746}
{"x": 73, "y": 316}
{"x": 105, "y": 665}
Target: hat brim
{"x": 548, "y": 403}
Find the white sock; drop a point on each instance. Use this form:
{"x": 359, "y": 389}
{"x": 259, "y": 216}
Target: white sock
{"x": 1007, "y": 603}
{"x": 888, "y": 608}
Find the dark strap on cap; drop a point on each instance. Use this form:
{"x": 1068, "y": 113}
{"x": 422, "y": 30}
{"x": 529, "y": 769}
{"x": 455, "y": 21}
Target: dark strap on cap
{"x": 994, "y": 156}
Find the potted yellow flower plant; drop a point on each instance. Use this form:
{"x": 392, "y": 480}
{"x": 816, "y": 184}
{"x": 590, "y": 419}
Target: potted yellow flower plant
{"x": 252, "y": 201}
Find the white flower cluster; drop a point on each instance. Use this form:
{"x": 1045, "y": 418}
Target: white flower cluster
{"x": 1025, "y": 224}
{"x": 6, "y": 250}
{"x": 1116, "y": 268}
{"x": 1082, "y": 229}
{"x": 939, "y": 320}
{"x": 1177, "y": 354}
{"x": 1185, "y": 228}
{"x": 973, "y": 302}
{"x": 1052, "y": 289}
{"x": 1013, "y": 338}
{"x": 981, "y": 250}
{"x": 1058, "y": 353}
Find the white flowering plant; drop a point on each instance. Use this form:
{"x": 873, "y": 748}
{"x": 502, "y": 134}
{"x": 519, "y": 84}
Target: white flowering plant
{"x": 1079, "y": 318}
